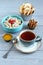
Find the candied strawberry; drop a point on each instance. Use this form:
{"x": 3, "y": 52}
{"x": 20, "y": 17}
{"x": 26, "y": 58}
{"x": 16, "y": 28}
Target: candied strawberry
{"x": 12, "y": 21}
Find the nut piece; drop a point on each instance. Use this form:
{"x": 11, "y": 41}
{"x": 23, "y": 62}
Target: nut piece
{"x": 32, "y": 24}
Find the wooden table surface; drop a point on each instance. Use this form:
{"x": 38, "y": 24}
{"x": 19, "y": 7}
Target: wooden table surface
{"x": 15, "y": 57}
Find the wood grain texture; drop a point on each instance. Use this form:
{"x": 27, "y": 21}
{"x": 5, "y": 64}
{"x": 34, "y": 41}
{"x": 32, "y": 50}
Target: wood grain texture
{"x": 15, "y": 57}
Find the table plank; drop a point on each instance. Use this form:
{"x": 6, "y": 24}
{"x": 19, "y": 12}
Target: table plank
{"x": 22, "y": 59}
{"x": 6, "y": 46}
{"x": 18, "y": 55}
{"x": 22, "y": 62}
{"x": 15, "y": 57}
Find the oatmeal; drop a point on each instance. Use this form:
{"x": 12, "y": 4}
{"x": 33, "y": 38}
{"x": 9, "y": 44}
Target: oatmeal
{"x": 12, "y": 22}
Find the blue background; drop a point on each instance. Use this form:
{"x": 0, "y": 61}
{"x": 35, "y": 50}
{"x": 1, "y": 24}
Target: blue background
{"x": 15, "y": 57}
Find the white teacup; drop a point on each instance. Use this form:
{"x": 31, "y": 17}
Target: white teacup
{"x": 28, "y": 37}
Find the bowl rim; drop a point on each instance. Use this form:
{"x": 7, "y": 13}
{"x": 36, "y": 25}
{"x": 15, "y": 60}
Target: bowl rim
{"x": 16, "y": 16}
{"x": 29, "y": 31}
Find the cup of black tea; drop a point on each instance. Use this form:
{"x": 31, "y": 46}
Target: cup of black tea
{"x": 28, "y": 37}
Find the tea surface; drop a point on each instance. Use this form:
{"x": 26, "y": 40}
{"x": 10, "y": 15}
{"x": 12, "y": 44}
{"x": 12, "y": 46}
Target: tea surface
{"x": 27, "y": 36}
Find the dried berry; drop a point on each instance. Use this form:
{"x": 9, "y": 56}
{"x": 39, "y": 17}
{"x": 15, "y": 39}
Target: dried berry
{"x": 12, "y": 21}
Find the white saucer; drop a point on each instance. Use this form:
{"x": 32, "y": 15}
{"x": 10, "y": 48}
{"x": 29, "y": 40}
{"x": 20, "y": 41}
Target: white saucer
{"x": 19, "y": 46}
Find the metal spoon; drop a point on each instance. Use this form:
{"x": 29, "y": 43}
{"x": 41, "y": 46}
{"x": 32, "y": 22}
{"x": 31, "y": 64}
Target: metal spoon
{"x": 13, "y": 41}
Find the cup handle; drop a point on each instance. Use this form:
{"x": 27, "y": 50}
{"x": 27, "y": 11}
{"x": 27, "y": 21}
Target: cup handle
{"x": 38, "y": 38}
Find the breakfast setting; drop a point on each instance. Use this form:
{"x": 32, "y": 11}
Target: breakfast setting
{"x": 27, "y": 41}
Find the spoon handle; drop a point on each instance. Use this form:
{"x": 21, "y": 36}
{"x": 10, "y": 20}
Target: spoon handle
{"x": 6, "y": 54}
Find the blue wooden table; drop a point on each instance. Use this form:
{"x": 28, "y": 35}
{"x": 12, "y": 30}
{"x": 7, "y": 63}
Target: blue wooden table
{"x": 15, "y": 57}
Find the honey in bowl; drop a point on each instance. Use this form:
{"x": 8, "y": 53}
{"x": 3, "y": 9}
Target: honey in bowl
{"x": 7, "y": 37}
{"x": 27, "y": 36}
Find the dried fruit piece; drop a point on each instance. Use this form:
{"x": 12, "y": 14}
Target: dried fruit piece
{"x": 12, "y": 21}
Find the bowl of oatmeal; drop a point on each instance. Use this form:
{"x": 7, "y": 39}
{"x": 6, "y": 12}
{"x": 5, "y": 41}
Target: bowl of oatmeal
{"x": 12, "y": 23}
{"x": 26, "y": 11}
